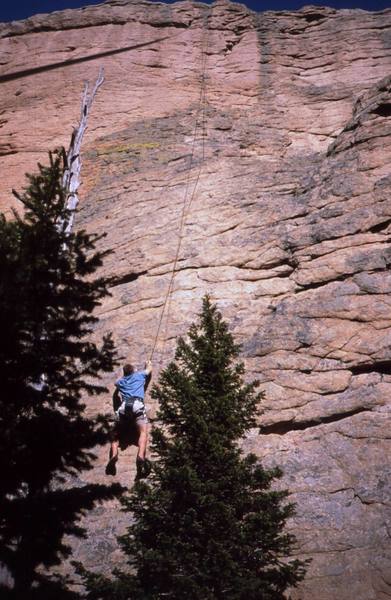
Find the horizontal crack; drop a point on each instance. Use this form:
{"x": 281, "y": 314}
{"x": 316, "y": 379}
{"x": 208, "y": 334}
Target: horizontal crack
{"x": 344, "y": 277}
{"x": 127, "y": 278}
{"x": 319, "y": 284}
{"x": 383, "y": 110}
{"x": 161, "y": 24}
{"x": 380, "y": 226}
{"x": 383, "y": 367}
{"x": 286, "y": 426}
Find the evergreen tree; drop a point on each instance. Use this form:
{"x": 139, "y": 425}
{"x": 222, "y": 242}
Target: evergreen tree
{"x": 207, "y": 525}
{"x": 47, "y": 295}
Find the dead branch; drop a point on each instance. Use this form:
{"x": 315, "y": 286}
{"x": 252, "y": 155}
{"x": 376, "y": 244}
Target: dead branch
{"x": 71, "y": 178}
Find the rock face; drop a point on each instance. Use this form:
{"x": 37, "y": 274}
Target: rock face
{"x": 269, "y": 136}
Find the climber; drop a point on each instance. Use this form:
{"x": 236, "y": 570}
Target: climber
{"x": 130, "y": 408}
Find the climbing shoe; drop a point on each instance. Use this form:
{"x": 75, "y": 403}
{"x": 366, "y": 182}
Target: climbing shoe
{"x": 143, "y": 468}
{"x": 111, "y": 468}
{"x": 147, "y": 467}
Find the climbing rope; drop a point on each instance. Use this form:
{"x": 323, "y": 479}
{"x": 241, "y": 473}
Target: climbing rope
{"x": 201, "y": 109}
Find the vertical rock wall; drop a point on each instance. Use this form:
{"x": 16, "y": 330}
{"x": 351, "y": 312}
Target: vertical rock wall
{"x": 285, "y": 168}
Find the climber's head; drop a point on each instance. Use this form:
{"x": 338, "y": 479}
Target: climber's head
{"x": 128, "y": 369}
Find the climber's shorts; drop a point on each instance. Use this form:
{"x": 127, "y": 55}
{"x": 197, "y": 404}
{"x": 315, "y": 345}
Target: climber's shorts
{"x": 126, "y": 421}
{"x": 133, "y": 408}
{"x": 139, "y": 412}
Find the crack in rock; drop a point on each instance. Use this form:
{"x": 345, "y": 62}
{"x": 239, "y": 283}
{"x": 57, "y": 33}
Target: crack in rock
{"x": 283, "y": 427}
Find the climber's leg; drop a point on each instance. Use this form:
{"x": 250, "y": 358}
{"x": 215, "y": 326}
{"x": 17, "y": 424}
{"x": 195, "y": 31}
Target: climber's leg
{"x": 142, "y": 439}
{"x": 114, "y": 449}
{"x": 113, "y": 454}
{"x": 143, "y": 464}
{"x": 142, "y": 422}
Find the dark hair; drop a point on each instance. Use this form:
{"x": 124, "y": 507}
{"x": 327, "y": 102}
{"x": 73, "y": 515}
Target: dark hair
{"x": 128, "y": 369}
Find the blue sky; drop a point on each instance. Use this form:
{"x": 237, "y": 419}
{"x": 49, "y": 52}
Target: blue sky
{"x": 20, "y": 9}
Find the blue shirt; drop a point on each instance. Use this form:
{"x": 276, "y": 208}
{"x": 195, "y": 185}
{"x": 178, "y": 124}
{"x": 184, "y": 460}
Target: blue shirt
{"x": 132, "y": 385}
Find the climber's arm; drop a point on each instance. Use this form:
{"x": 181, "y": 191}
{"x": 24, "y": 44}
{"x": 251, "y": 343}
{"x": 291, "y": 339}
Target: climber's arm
{"x": 148, "y": 367}
{"x": 116, "y": 399}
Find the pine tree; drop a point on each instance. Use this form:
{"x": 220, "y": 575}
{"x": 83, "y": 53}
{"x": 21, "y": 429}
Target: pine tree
{"x": 47, "y": 365}
{"x": 207, "y": 525}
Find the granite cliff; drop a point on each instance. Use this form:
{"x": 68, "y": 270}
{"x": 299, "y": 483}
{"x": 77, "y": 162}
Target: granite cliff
{"x": 274, "y": 130}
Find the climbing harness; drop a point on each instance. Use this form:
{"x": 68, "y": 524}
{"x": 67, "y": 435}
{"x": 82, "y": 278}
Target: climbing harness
{"x": 132, "y": 407}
